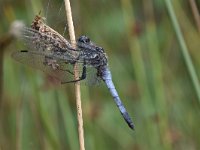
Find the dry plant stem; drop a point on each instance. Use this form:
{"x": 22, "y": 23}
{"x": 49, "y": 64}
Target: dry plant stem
{"x": 77, "y": 85}
{"x": 195, "y": 13}
{"x": 4, "y": 43}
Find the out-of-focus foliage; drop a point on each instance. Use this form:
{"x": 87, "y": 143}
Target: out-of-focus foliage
{"x": 149, "y": 70}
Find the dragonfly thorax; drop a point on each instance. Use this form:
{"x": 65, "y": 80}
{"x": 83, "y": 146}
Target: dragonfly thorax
{"x": 92, "y": 54}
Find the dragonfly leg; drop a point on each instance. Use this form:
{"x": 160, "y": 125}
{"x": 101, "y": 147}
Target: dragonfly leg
{"x": 83, "y": 76}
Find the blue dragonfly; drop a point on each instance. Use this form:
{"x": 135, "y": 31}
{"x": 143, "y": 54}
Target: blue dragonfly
{"x": 53, "y": 54}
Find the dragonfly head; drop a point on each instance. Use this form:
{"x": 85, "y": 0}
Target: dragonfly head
{"x": 86, "y": 40}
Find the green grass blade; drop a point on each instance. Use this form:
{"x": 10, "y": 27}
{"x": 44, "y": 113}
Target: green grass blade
{"x": 184, "y": 48}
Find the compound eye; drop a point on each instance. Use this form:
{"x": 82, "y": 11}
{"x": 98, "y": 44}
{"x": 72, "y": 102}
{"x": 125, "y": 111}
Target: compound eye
{"x": 83, "y": 39}
{"x": 100, "y": 49}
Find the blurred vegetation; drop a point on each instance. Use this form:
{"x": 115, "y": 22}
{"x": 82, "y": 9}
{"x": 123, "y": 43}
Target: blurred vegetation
{"x": 153, "y": 50}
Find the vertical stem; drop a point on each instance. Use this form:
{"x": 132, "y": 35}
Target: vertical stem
{"x": 76, "y": 75}
{"x": 70, "y": 21}
{"x": 195, "y": 12}
{"x": 156, "y": 73}
{"x": 184, "y": 49}
{"x": 4, "y": 42}
{"x": 19, "y": 124}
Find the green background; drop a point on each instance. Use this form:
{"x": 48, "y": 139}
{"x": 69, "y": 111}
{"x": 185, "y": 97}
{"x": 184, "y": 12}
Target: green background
{"x": 153, "y": 51}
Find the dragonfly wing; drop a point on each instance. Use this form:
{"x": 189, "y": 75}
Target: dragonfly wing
{"x": 58, "y": 68}
{"x": 41, "y": 41}
{"x": 91, "y": 77}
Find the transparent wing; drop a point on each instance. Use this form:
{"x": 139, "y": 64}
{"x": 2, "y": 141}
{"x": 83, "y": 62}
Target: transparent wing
{"x": 53, "y": 54}
{"x": 55, "y": 66}
{"x": 42, "y": 41}
{"x": 58, "y": 68}
{"x": 51, "y": 41}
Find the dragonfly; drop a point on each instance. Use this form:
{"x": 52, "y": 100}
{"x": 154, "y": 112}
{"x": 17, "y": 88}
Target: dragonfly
{"x": 50, "y": 52}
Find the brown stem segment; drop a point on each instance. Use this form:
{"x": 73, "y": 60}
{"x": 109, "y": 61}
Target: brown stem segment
{"x": 195, "y": 12}
{"x": 76, "y": 75}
